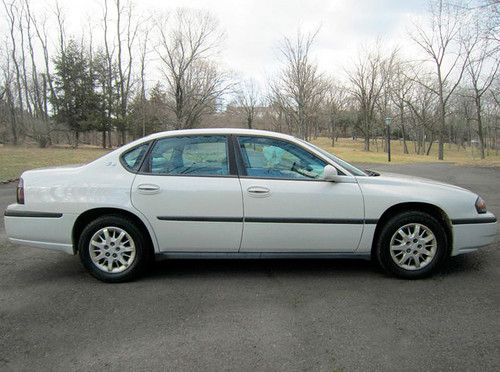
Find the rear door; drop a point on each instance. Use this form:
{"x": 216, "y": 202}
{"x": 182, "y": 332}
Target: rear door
{"x": 191, "y": 195}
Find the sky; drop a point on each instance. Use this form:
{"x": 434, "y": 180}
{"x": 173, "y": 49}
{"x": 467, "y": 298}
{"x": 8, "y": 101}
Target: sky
{"x": 254, "y": 28}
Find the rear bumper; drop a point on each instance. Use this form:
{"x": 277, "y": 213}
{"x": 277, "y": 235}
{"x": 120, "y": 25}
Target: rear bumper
{"x": 40, "y": 229}
{"x": 471, "y": 235}
{"x": 67, "y": 248}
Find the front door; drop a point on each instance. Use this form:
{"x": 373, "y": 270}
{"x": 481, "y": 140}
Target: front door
{"x": 190, "y": 195}
{"x": 288, "y": 207}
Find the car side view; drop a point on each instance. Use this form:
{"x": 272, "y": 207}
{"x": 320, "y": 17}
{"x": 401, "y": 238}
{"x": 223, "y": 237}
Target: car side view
{"x": 239, "y": 193}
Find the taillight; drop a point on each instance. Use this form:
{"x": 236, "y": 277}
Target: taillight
{"x": 20, "y": 191}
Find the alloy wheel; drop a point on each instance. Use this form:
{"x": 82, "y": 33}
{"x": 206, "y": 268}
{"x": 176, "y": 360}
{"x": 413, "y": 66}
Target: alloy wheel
{"x": 112, "y": 249}
{"x": 413, "y": 246}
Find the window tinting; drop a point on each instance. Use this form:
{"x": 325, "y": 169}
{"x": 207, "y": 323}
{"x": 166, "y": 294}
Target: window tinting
{"x": 190, "y": 155}
{"x": 133, "y": 158}
{"x": 271, "y": 158}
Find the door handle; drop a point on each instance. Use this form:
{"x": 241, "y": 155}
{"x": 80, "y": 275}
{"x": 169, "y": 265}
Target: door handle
{"x": 148, "y": 188}
{"x": 259, "y": 191}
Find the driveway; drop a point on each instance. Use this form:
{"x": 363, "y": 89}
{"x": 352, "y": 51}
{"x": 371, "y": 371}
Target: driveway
{"x": 327, "y": 315}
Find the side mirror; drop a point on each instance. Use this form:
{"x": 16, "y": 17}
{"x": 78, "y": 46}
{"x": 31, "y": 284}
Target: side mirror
{"x": 330, "y": 173}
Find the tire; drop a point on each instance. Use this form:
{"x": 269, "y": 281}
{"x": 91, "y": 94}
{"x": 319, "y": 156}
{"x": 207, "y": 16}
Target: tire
{"x": 113, "y": 249}
{"x": 418, "y": 255}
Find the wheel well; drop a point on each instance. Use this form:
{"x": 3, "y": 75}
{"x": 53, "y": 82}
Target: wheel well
{"x": 86, "y": 217}
{"x": 431, "y": 209}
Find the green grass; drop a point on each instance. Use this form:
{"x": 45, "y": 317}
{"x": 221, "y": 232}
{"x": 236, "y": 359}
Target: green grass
{"x": 352, "y": 151}
{"x": 15, "y": 160}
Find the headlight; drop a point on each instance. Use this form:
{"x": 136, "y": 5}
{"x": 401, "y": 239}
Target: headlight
{"x": 480, "y": 205}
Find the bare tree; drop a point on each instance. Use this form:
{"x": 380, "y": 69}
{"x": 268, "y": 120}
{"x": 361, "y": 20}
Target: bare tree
{"x": 40, "y": 127}
{"x": 109, "y": 92}
{"x": 423, "y": 108}
{"x": 401, "y": 86}
{"x": 336, "y": 100}
{"x": 188, "y": 41}
{"x": 22, "y": 56}
{"x": 42, "y": 35}
{"x": 441, "y": 43}
{"x": 124, "y": 60}
{"x": 368, "y": 79}
{"x": 120, "y": 40}
{"x": 482, "y": 66}
{"x": 8, "y": 93}
{"x": 204, "y": 86}
{"x": 140, "y": 100}
{"x": 247, "y": 99}
{"x": 299, "y": 88}
{"x": 276, "y": 115}
{"x": 11, "y": 11}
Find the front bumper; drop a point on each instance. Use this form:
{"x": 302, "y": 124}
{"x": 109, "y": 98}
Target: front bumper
{"x": 469, "y": 235}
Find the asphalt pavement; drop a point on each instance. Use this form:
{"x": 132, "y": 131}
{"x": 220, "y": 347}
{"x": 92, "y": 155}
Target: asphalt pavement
{"x": 268, "y": 315}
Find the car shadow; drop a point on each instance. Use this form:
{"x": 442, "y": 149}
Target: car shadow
{"x": 236, "y": 268}
{"x": 465, "y": 263}
{"x": 193, "y": 268}
{"x": 268, "y": 267}
{"x": 70, "y": 269}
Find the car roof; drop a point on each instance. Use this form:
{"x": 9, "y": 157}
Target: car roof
{"x": 225, "y": 131}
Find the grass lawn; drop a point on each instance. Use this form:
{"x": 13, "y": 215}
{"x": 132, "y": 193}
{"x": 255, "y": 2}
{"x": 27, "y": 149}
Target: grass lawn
{"x": 352, "y": 151}
{"x": 15, "y": 160}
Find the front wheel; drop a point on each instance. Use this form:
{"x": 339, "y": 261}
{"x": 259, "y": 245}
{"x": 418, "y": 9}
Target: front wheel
{"x": 113, "y": 249}
{"x": 412, "y": 245}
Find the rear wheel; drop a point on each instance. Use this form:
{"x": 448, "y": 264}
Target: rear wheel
{"x": 113, "y": 249}
{"x": 412, "y": 245}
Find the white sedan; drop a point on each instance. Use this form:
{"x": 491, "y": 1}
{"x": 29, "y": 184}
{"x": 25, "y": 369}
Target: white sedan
{"x": 235, "y": 193}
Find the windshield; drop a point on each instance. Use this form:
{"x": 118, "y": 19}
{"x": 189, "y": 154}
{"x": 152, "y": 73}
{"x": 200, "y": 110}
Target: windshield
{"x": 351, "y": 168}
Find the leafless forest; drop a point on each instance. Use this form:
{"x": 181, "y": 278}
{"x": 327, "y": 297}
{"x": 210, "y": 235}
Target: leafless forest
{"x": 136, "y": 73}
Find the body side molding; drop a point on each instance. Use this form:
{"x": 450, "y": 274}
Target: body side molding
{"x": 332, "y": 221}
{"x": 14, "y": 213}
{"x": 468, "y": 221}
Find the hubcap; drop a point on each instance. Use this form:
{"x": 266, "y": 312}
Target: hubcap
{"x": 413, "y": 246}
{"x": 112, "y": 249}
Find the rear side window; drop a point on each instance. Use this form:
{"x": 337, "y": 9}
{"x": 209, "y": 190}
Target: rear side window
{"x": 190, "y": 155}
{"x": 132, "y": 159}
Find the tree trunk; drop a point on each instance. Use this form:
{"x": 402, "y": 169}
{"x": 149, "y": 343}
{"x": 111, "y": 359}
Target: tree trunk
{"x": 442, "y": 129}
{"x": 13, "y": 119}
{"x": 103, "y": 141}
{"x": 109, "y": 139}
{"x": 367, "y": 143}
{"x": 332, "y": 131}
{"x": 424, "y": 140}
{"x": 480, "y": 126}
{"x": 403, "y": 132}
{"x": 430, "y": 146}
{"x": 442, "y": 117}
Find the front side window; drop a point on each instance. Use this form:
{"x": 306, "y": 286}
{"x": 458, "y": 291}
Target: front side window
{"x": 272, "y": 158}
{"x": 351, "y": 168}
{"x": 189, "y": 155}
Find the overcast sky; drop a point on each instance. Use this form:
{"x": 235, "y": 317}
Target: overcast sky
{"x": 255, "y": 27}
